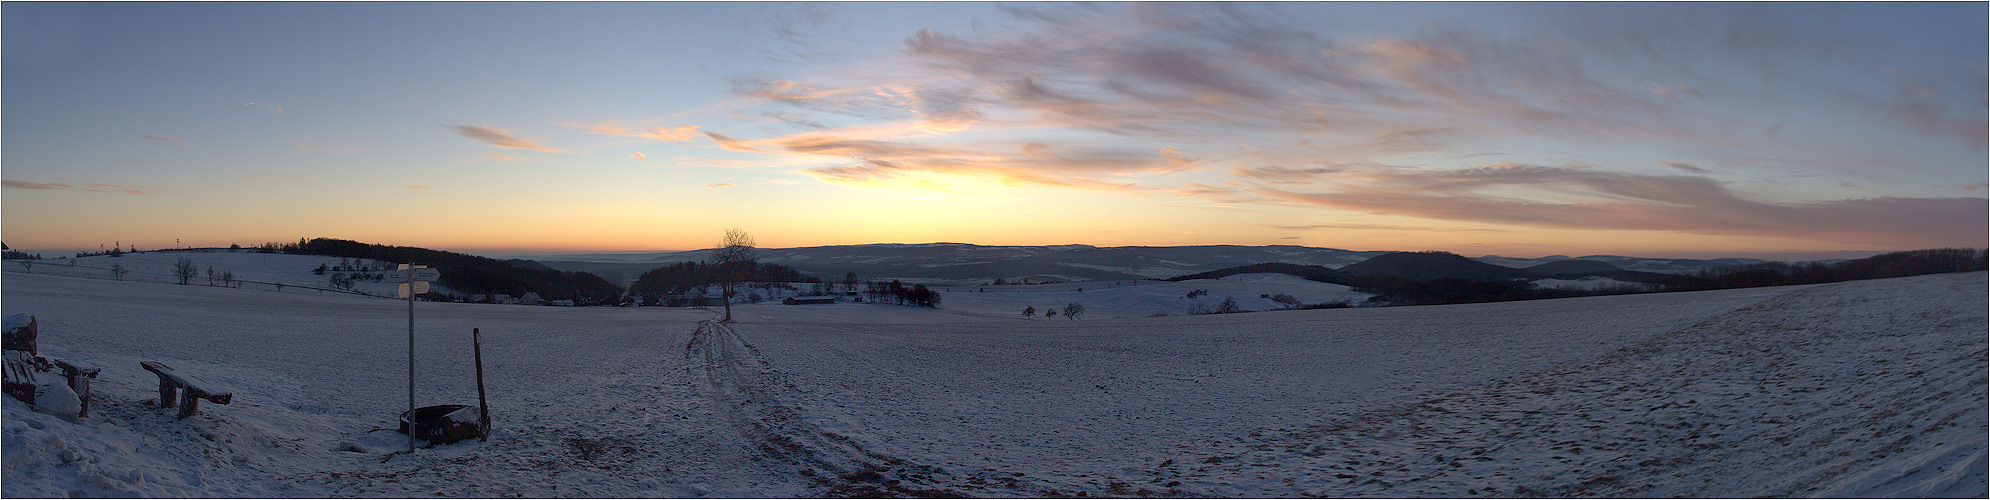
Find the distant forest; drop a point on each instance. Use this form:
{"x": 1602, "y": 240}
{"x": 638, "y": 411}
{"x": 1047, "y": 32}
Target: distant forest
{"x": 685, "y": 277}
{"x": 468, "y": 273}
{"x": 1405, "y": 291}
{"x": 1891, "y": 265}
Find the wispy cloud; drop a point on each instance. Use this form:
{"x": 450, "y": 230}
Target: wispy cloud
{"x": 158, "y": 138}
{"x": 501, "y": 138}
{"x": 678, "y": 134}
{"x": 418, "y": 187}
{"x": 1614, "y": 200}
{"x": 93, "y": 188}
{"x": 1236, "y": 103}
{"x": 639, "y": 156}
{"x": 14, "y": 184}
{"x": 868, "y": 159}
{"x": 271, "y": 108}
{"x": 1686, "y": 167}
{"x": 1385, "y": 227}
{"x": 1176, "y": 77}
{"x": 501, "y": 157}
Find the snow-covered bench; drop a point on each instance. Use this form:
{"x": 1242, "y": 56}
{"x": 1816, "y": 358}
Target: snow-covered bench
{"x": 171, "y": 382}
{"x": 23, "y": 361}
{"x": 78, "y": 375}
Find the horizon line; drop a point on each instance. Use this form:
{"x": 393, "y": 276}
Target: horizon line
{"x": 544, "y": 253}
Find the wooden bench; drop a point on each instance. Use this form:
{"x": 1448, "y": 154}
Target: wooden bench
{"x": 171, "y": 382}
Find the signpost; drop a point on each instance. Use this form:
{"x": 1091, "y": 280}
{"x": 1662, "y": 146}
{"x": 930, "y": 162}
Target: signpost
{"x": 414, "y": 281}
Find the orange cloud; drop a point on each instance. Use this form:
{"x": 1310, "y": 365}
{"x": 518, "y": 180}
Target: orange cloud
{"x": 679, "y": 134}
{"x": 867, "y": 159}
{"x": 502, "y": 138}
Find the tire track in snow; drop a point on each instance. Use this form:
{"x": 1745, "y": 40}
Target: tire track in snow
{"x": 748, "y": 392}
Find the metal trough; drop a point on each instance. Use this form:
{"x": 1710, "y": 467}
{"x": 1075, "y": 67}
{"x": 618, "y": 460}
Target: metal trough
{"x": 444, "y": 424}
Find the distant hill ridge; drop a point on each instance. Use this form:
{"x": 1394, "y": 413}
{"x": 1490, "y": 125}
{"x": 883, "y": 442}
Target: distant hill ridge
{"x": 1429, "y": 265}
{"x": 1573, "y": 267}
{"x": 1315, "y": 273}
{"x": 965, "y": 261}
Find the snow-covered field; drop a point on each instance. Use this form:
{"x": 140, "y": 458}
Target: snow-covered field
{"x": 1874, "y": 388}
{"x": 258, "y": 271}
{"x": 1139, "y": 299}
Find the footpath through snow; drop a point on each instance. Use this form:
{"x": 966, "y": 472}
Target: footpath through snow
{"x": 1872, "y": 388}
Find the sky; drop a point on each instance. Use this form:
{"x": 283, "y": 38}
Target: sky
{"x": 1482, "y": 128}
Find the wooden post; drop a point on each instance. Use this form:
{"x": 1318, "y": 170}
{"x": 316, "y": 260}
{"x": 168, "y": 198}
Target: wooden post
{"x": 166, "y": 392}
{"x": 483, "y": 407}
{"x": 189, "y": 404}
{"x": 411, "y": 356}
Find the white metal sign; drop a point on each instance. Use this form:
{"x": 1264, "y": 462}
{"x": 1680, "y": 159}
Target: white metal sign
{"x": 421, "y": 287}
{"x": 418, "y": 274}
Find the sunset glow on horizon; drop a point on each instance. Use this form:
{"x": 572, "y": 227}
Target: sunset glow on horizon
{"x": 1517, "y": 129}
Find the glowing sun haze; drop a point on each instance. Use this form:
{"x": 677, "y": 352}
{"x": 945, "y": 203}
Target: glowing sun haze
{"x": 1651, "y": 129}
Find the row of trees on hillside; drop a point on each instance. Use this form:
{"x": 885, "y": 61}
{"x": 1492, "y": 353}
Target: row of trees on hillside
{"x": 1891, "y": 265}
{"x": 896, "y": 292}
{"x": 185, "y": 270}
{"x": 467, "y": 273}
{"x": 682, "y": 278}
{"x": 1406, "y": 291}
{"x": 733, "y": 265}
{"x": 1071, "y": 311}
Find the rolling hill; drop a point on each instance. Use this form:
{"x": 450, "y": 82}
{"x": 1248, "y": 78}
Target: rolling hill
{"x": 960, "y": 261}
{"x": 1434, "y": 265}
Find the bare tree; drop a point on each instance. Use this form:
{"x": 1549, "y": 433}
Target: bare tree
{"x": 732, "y": 262}
{"x": 117, "y": 272}
{"x": 1072, "y": 310}
{"x": 185, "y": 270}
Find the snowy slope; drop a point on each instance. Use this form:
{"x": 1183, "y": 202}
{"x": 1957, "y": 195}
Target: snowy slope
{"x": 259, "y": 271}
{"x": 1862, "y": 389}
{"x": 1139, "y": 299}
